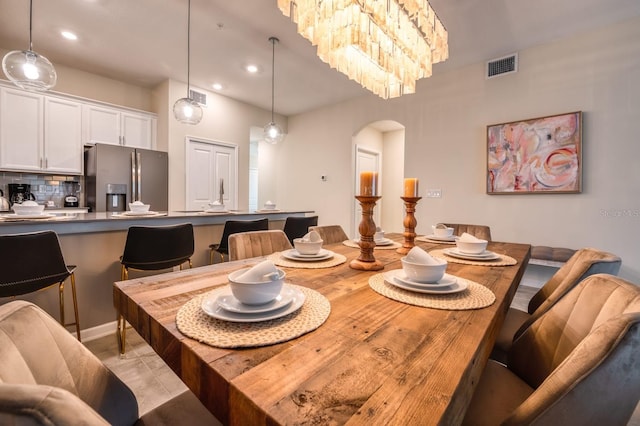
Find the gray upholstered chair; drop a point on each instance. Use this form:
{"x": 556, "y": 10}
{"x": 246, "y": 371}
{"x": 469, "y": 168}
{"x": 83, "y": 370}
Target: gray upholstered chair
{"x": 583, "y": 263}
{"x": 330, "y": 234}
{"x": 49, "y": 378}
{"x": 478, "y": 231}
{"x": 244, "y": 245}
{"x": 577, "y": 364}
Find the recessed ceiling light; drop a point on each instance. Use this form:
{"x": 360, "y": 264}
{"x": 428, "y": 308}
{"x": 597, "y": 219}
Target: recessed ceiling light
{"x": 217, "y": 86}
{"x": 252, "y": 69}
{"x": 69, "y": 35}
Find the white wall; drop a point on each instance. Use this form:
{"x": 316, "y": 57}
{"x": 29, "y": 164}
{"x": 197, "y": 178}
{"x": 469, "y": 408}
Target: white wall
{"x": 392, "y": 185}
{"x": 224, "y": 120}
{"x": 445, "y": 125}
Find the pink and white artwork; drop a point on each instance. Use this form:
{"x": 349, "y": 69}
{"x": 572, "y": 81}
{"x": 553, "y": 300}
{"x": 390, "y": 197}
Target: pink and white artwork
{"x": 540, "y": 155}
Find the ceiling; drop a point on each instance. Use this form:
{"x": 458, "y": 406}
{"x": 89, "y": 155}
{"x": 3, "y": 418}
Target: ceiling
{"x": 144, "y": 42}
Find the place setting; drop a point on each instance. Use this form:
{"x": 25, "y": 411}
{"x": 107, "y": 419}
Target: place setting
{"x": 382, "y": 242}
{"x": 308, "y": 254}
{"x": 472, "y": 251}
{"x": 138, "y": 209}
{"x": 27, "y": 210}
{"x": 255, "y": 308}
{"x": 215, "y": 207}
{"x": 440, "y": 234}
{"x": 423, "y": 281}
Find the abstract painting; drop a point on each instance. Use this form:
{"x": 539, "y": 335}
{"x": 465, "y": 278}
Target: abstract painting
{"x": 539, "y": 155}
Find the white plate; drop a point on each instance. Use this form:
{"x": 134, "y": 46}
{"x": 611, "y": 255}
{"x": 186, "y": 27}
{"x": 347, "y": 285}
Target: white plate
{"x": 454, "y": 288}
{"x": 399, "y": 275}
{"x": 137, "y": 214}
{"x": 207, "y": 211}
{"x": 268, "y": 211}
{"x": 211, "y": 307}
{"x": 13, "y": 216}
{"x": 292, "y": 254}
{"x": 230, "y": 303}
{"x": 487, "y": 255}
{"x": 436, "y": 238}
{"x": 384, "y": 242}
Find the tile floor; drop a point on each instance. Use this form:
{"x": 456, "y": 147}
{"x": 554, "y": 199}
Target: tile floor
{"x": 153, "y": 382}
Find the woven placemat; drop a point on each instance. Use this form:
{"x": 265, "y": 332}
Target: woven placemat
{"x": 476, "y": 296}
{"x": 354, "y": 244}
{"x": 193, "y": 322}
{"x": 503, "y": 261}
{"x": 426, "y": 239}
{"x": 280, "y": 260}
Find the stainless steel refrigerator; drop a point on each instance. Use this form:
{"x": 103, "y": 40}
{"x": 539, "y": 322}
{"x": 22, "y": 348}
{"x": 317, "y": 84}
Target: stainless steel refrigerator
{"x": 117, "y": 175}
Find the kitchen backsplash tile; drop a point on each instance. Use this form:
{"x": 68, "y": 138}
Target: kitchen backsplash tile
{"x": 44, "y": 187}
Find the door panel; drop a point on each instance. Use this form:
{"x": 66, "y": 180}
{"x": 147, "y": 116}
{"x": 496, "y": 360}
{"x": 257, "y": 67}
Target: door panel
{"x": 366, "y": 160}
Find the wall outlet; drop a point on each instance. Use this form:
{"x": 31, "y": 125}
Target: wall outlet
{"x": 324, "y": 178}
{"x": 434, "y": 193}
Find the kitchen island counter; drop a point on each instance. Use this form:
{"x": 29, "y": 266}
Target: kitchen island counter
{"x": 83, "y": 223}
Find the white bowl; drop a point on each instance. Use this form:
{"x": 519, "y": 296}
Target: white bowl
{"x": 442, "y": 232}
{"x": 471, "y": 247}
{"x": 256, "y": 292}
{"x": 216, "y": 205}
{"x": 139, "y": 207}
{"x": 423, "y": 273}
{"x": 28, "y": 208}
{"x": 307, "y": 247}
{"x": 269, "y": 206}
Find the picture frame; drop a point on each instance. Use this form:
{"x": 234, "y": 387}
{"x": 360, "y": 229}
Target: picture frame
{"x": 535, "y": 156}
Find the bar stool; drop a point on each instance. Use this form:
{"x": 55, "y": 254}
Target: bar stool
{"x": 153, "y": 248}
{"x": 296, "y": 227}
{"x": 233, "y": 227}
{"x": 32, "y": 262}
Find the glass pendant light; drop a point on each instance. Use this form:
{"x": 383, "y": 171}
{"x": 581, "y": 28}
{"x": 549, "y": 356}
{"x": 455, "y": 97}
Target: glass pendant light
{"x": 186, "y": 110}
{"x": 27, "y": 69}
{"x": 272, "y": 132}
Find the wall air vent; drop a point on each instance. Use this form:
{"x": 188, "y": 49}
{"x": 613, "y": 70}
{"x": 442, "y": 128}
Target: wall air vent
{"x": 199, "y": 97}
{"x": 501, "y": 66}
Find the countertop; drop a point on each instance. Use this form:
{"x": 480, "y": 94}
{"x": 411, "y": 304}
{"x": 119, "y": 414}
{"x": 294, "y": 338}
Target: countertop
{"x": 81, "y": 223}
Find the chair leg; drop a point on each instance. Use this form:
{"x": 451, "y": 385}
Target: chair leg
{"x": 75, "y": 304}
{"x": 61, "y": 301}
{"x": 121, "y": 324}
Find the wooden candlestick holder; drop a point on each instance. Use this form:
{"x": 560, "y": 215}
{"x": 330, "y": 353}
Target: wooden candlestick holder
{"x": 366, "y": 261}
{"x": 409, "y": 223}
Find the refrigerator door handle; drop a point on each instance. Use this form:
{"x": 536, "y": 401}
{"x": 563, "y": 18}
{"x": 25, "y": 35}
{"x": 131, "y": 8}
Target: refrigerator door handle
{"x": 134, "y": 188}
{"x": 139, "y": 175}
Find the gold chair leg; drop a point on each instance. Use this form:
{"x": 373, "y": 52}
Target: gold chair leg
{"x": 121, "y": 324}
{"x": 75, "y": 304}
{"x": 61, "y": 301}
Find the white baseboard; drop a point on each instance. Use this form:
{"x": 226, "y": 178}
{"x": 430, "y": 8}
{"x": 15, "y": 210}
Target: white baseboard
{"x": 98, "y": 331}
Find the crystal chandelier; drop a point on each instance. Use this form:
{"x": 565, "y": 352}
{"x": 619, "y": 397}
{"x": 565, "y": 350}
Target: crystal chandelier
{"x": 385, "y": 45}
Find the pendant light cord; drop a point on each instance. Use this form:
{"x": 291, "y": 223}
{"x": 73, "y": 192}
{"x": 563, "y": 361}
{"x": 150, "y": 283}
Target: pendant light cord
{"x": 273, "y": 41}
{"x": 189, "y": 50}
{"x": 30, "y": 24}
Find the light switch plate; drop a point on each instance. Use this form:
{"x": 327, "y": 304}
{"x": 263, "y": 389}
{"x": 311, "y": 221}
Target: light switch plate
{"x": 434, "y": 193}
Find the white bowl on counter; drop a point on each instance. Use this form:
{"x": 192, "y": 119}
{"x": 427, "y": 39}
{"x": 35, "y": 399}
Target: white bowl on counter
{"x": 139, "y": 207}
{"x": 28, "y": 208}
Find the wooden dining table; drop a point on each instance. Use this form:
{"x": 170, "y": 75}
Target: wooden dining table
{"x": 374, "y": 361}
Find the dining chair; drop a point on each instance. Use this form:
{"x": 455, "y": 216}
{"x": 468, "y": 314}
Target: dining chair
{"x": 34, "y": 261}
{"x": 48, "y": 378}
{"x": 153, "y": 248}
{"x": 296, "y": 227}
{"x": 233, "y": 227}
{"x": 577, "y": 364}
{"x": 330, "y": 234}
{"x": 244, "y": 245}
{"x": 583, "y": 263}
{"x": 478, "y": 231}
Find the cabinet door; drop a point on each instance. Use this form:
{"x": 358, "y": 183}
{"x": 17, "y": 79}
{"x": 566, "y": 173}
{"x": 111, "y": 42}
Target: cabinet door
{"x": 102, "y": 125}
{"x": 62, "y": 136}
{"x": 21, "y": 132}
{"x": 136, "y": 130}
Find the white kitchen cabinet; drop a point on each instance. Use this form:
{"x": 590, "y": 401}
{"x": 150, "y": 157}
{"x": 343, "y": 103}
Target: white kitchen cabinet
{"x": 118, "y": 127}
{"x": 39, "y": 133}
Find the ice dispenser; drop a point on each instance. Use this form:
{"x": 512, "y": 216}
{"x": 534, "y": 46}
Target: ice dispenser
{"x": 116, "y": 197}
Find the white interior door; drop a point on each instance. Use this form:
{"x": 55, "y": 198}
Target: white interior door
{"x": 210, "y": 164}
{"x": 366, "y": 160}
